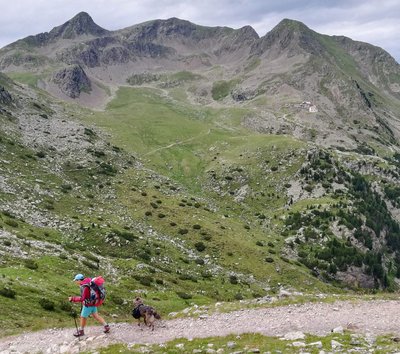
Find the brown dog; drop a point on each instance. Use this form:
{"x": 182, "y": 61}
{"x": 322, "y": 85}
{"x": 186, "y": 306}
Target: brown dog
{"x": 148, "y": 313}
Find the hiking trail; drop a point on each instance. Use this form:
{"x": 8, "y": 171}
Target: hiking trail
{"x": 372, "y": 318}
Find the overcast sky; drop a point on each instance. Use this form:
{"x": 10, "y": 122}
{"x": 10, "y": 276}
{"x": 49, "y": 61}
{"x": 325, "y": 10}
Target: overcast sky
{"x": 373, "y": 21}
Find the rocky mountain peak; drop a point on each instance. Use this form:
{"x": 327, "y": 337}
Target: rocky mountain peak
{"x": 292, "y": 37}
{"x": 80, "y": 24}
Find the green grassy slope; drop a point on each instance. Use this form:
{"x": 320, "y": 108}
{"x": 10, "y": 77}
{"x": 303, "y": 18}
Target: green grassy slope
{"x": 181, "y": 205}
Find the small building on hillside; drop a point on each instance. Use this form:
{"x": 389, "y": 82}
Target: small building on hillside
{"x": 313, "y": 108}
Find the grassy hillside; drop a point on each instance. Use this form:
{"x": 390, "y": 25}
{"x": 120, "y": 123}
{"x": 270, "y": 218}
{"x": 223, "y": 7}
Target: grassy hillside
{"x": 175, "y": 202}
{"x": 152, "y": 210}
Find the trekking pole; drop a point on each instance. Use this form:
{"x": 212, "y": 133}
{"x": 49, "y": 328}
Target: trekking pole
{"x": 75, "y": 315}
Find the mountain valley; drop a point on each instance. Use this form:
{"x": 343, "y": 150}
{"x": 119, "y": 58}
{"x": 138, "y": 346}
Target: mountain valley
{"x": 194, "y": 165}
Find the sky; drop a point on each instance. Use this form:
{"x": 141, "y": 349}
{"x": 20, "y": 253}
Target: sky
{"x": 373, "y": 21}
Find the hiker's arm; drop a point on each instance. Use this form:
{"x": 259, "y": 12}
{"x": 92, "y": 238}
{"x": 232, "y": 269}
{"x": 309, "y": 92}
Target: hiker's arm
{"x": 85, "y": 295}
{"x": 75, "y": 299}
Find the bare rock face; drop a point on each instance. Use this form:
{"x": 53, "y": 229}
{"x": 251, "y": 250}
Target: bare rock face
{"x": 72, "y": 81}
{"x": 5, "y": 97}
{"x": 81, "y": 24}
{"x": 240, "y": 94}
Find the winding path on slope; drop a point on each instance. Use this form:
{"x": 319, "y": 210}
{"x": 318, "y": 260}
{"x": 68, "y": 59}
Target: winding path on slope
{"x": 374, "y": 317}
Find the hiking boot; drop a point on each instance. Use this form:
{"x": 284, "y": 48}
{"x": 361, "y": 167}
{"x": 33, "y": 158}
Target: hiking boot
{"x": 106, "y": 328}
{"x": 79, "y": 333}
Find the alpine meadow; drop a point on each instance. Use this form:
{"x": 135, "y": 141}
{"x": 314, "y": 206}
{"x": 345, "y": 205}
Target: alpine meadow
{"x": 194, "y": 165}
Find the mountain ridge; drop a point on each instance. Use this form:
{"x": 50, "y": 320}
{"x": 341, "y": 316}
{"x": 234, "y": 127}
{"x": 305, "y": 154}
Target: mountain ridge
{"x": 195, "y": 164}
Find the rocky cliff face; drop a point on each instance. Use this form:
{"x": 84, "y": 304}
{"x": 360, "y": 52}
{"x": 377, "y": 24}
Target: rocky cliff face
{"x": 5, "y": 97}
{"x": 72, "y": 81}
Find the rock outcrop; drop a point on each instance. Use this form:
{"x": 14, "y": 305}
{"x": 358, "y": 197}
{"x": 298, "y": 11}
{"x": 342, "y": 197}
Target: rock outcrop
{"x": 5, "y": 97}
{"x": 72, "y": 81}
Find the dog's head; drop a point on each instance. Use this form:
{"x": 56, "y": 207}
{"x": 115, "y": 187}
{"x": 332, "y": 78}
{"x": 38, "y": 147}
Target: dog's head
{"x": 137, "y": 301}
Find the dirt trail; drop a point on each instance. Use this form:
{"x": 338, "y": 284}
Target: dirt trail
{"x": 369, "y": 317}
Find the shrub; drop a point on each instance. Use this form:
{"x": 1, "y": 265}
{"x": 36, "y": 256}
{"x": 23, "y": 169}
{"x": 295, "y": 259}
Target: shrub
{"x": 11, "y": 223}
{"x": 7, "y": 292}
{"x": 197, "y": 227}
{"x": 127, "y": 235}
{"x": 206, "y": 275}
{"x": 65, "y": 188}
{"x": 183, "y": 295}
{"x": 31, "y": 264}
{"x": 148, "y": 213}
{"x": 269, "y": 260}
{"x": 200, "y": 246}
{"x": 66, "y": 306}
{"x": 183, "y": 231}
{"x": 239, "y": 296}
{"x": 161, "y": 215}
{"x": 48, "y": 305}
{"x": 233, "y": 279}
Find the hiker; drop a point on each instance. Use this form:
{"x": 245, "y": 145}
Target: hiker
{"x": 89, "y": 305}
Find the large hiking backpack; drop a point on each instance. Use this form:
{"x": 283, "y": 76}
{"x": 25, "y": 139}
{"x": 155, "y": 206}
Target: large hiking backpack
{"x": 97, "y": 292}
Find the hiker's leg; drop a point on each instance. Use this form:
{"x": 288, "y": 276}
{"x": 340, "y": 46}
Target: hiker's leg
{"x": 86, "y": 311}
{"x": 83, "y": 322}
{"x": 100, "y": 319}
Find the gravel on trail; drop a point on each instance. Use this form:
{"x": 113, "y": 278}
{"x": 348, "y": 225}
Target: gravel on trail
{"x": 374, "y": 317}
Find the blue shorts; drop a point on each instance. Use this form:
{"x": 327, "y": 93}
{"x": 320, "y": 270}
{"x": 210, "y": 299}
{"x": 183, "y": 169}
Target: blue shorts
{"x": 88, "y": 310}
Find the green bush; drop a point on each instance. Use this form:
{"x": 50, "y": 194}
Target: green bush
{"x": 233, "y": 279}
{"x": 183, "y": 295}
{"x": 145, "y": 280}
{"x": 31, "y": 264}
{"x": 48, "y": 305}
{"x": 239, "y": 296}
{"x": 11, "y": 223}
{"x": 7, "y": 292}
{"x": 66, "y": 306}
{"x": 200, "y": 246}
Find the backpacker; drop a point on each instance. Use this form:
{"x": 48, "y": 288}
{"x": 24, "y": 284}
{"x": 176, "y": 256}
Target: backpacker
{"x": 97, "y": 292}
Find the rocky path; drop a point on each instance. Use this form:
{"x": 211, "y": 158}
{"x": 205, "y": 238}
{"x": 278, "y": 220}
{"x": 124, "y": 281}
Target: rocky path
{"x": 369, "y": 317}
